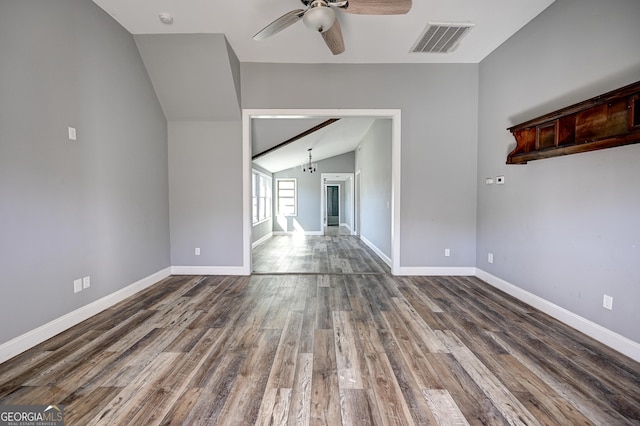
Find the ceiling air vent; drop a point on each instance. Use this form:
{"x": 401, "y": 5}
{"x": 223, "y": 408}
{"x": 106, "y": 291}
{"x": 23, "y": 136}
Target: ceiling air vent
{"x": 441, "y": 37}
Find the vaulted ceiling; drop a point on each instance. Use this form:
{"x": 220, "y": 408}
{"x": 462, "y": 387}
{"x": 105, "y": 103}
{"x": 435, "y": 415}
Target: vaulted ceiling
{"x": 337, "y": 138}
{"x": 194, "y": 63}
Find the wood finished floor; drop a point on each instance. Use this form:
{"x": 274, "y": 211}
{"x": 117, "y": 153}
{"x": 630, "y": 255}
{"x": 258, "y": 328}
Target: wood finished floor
{"x": 335, "y": 252}
{"x": 338, "y": 348}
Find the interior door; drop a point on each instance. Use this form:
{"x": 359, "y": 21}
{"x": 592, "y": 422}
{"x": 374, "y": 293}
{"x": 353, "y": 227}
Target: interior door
{"x": 333, "y": 205}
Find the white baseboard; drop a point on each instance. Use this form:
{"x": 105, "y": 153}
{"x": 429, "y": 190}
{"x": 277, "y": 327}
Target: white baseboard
{"x": 614, "y": 340}
{"x": 346, "y": 225}
{"x": 261, "y": 240}
{"x": 298, "y": 233}
{"x": 377, "y": 251}
{"x": 209, "y": 270}
{"x": 38, "y": 335}
{"x": 460, "y": 271}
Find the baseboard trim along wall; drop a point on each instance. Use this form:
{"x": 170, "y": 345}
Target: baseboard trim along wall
{"x": 209, "y": 270}
{"x": 386, "y": 259}
{"x": 614, "y": 340}
{"x": 346, "y": 225}
{"x": 454, "y": 271}
{"x": 31, "y": 338}
{"x": 38, "y": 335}
{"x": 298, "y": 232}
{"x": 261, "y": 240}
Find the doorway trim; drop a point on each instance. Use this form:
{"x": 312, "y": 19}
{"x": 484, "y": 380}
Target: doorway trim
{"x": 347, "y": 179}
{"x": 324, "y": 193}
{"x": 396, "y": 164}
{"x": 356, "y": 203}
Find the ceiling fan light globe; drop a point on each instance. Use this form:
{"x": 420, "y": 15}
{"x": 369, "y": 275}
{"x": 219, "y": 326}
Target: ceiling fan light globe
{"x": 319, "y": 18}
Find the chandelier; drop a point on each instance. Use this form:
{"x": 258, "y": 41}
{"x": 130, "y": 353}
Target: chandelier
{"x": 309, "y": 167}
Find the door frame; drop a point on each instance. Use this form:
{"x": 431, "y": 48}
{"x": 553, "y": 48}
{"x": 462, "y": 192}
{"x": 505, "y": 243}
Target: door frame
{"x": 356, "y": 203}
{"x": 396, "y": 141}
{"x": 337, "y": 177}
{"x": 326, "y": 216}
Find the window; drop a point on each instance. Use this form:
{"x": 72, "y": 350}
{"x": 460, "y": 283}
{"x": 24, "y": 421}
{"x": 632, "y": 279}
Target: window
{"x": 286, "y": 196}
{"x": 261, "y": 196}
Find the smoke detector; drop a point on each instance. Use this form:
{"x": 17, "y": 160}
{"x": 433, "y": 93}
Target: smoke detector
{"x": 165, "y": 18}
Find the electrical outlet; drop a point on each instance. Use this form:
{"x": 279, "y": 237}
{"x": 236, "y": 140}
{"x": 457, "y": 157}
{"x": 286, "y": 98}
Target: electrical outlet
{"x": 607, "y": 302}
{"x": 490, "y": 257}
{"x": 86, "y": 282}
{"x": 447, "y": 252}
{"x": 77, "y": 285}
{"x": 197, "y": 251}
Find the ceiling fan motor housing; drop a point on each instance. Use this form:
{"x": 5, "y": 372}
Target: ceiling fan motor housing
{"x": 319, "y": 16}
{"x": 335, "y": 3}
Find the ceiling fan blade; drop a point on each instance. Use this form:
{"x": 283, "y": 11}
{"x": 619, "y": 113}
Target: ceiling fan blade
{"x": 280, "y": 24}
{"x": 333, "y": 38}
{"x": 379, "y": 7}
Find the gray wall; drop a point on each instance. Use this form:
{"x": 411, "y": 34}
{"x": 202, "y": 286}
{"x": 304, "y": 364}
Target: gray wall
{"x": 309, "y": 191}
{"x": 565, "y": 229}
{"x": 373, "y": 160}
{"x": 97, "y": 206}
{"x": 205, "y": 191}
{"x": 197, "y": 79}
{"x": 261, "y": 230}
{"x": 439, "y": 104}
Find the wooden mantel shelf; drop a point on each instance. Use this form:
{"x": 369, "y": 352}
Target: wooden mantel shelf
{"x": 608, "y": 120}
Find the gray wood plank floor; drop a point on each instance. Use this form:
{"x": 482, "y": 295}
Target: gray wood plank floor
{"x": 335, "y": 252}
{"x": 350, "y": 347}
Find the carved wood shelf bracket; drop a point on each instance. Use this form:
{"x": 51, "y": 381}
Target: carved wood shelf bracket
{"x": 606, "y": 121}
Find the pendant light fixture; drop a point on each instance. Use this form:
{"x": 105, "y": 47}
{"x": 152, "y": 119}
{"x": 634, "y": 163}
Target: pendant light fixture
{"x": 309, "y": 167}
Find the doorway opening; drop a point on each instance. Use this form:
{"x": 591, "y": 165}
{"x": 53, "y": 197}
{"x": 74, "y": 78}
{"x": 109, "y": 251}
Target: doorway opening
{"x": 394, "y": 205}
{"x": 332, "y": 211}
{"x": 337, "y": 203}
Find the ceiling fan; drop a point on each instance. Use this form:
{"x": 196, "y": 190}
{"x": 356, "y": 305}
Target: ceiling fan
{"x": 321, "y": 17}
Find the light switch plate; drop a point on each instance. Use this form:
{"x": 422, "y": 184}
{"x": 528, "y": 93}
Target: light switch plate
{"x": 72, "y": 133}
{"x": 607, "y": 302}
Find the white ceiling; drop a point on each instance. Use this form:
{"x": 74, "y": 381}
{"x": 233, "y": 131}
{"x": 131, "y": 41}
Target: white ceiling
{"x": 368, "y": 39}
{"x": 337, "y": 138}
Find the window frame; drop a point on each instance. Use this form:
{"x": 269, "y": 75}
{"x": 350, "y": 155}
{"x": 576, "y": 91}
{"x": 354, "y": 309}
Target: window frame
{"x": 295, "y": 196}
{"x": 256, "y": 178}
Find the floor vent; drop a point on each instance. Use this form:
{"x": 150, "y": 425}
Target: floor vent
{"x": 441, "y": 37}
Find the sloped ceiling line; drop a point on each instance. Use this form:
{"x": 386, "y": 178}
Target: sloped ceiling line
{"x": 296, "y": 137}
{"x": 337, "y": 138}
